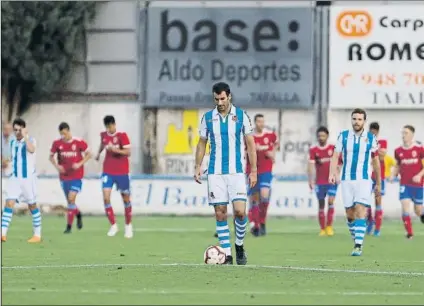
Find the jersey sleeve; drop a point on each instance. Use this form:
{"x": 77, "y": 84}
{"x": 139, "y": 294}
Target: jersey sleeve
{"x": 203, "y": 128}
{"x": 54, "y": 148}
{"x": 339, "y": 144}
{"x": 397, "y": 156}
{"x": 247, "y": 124}
{"x": 125, "y": 141}
{"x": 83, "y": 146}
{"x": 374, "y": 145}
{"x": 312, "y": 155}
{"x": 383, "y": 144}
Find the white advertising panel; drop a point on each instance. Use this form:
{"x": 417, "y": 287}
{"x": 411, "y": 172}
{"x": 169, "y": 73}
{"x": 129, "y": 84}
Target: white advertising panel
{"x": 377, "y": 56}
{"x": 179, "y": 196}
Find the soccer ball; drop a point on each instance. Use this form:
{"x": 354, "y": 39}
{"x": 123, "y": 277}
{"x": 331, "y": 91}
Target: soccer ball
{"x": 214, "y": 255}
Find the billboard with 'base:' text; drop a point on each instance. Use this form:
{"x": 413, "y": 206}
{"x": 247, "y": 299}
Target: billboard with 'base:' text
{"x": 377, "y": 57}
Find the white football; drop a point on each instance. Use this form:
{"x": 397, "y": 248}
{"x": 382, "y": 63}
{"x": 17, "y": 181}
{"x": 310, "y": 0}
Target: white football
{"x": 214, "y": 255}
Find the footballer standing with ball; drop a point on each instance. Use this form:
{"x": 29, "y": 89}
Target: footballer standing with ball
{"x": 227, "y": 128}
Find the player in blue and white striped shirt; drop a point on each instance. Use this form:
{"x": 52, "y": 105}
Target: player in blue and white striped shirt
{"x": 359, "y": 151}
{"x": 22, "y": 182}
{"x": 227, "y": 128}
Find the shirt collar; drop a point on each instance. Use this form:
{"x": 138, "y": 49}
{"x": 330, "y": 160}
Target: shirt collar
{"x": 360, "y": 135}
{"x": 232, "y": 111}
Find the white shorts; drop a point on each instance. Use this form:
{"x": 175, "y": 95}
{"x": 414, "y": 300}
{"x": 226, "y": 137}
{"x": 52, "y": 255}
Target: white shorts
{"x": 226, "y": 188}
{"x": 22, "y": 189}
{"x": 356, "y": 192}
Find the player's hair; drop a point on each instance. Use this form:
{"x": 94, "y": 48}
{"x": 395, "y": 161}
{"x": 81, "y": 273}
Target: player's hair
{"x": 359, "y": 111}
{"x": 258, "y": 116}
{"x": 63, "y": 126}
{"x": 322, "y": 129}
{"x": 375, "y": 126}
{"x": 19, "y": 122}
{"x": 108, "y": 120}
{"x": 409, "y": 127}
{"x": 220, "y": 87}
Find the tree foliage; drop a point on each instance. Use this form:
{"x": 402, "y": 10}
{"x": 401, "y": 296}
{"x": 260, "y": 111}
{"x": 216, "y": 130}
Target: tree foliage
{"x": 39, "y": 41}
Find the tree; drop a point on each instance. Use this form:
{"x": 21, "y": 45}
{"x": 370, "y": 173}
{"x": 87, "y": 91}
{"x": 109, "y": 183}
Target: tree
{"x": 39, "y": 41}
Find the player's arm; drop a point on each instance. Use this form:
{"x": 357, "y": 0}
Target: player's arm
{"x": 420, "y": 174}
{"x": 395, "y": 168}
{"x": 334, "y": 162}
{"x": 250, "y": 142}
{"x": 86, "y": 153}
{"x": 382, "y": 150}
{"x": 200, "y": 149}
{"x": 52, "y": 158}
{"x": 125, "y": 144}
{"x": 376, "y": 161}
{"x": 271, "y": 152}
{"x": 101, "y": 148}
{"x": 30, "y": 144}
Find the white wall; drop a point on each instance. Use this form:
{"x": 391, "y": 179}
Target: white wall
{"x": 86, "y": 121}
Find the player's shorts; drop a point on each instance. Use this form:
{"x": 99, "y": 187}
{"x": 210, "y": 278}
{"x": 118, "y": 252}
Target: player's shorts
{"x": 323, "y": 191}
{"x": 122, "y": 182}
{"x": 22, "y": 189}
{"x": 356, "y": 192}
{"x": 71, "y": 185}
{"x": 226, "y": 188}
{"x": 383, "y": 186}
{"x": 264, "y": 181}
{"x": 415, "y": 193}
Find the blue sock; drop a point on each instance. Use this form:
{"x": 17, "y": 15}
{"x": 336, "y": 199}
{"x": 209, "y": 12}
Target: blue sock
{"x": 351, "y": 226}
{"x": 36, "y": 222}
{"x": 240, "y": 226}
{"x": 223, "y": 232}
{"x": 360, "y": 228}
{"x": 5, "y": 220}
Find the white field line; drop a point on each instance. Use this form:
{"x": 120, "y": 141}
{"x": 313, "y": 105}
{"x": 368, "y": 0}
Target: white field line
{"x": 212, "y": 292}
{"x": 110, "y": 265}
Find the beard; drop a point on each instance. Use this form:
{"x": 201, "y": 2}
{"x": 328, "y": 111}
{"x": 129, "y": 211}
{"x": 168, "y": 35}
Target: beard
{"x": 358, "y": 128}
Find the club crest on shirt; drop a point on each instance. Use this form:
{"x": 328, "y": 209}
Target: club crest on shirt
{"x": 115, "y": 139}
{"x": 60, "y": 148}
{"x": 366, "y": 140}
{"x": 266, "y": 140}
{"x": 330, "y": 152}
{"x": 414, "y": 154}
{"x": 212, "y": 195}
{"x": 74, "y": 147}
{"x": 234, "y": 118}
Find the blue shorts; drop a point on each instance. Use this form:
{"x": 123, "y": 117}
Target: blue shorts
{"x": 264, "y": 181}
{"x": 383, "y": 186}
{"x": 325, "y": 190}
{"x": 122, "y": 182}
{"x": 415, "y": 193}
{"x": 71, "y": 185}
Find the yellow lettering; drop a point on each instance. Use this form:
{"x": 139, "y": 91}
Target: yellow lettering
{"x": 184, "y": 140}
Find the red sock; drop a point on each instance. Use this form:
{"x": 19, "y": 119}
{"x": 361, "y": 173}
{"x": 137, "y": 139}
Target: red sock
{"x": 110, "y": 215}
{"x": 254, "y": 215}
{"x": 330, "y": 215}
{"x": 128, "y": 213}
{"x": 263, "y": 209}
{"x": 369, "y": 214}
{"x": 72, "y": 212}
{"x": 378, "y": 218}
{"x": 321, "y": 218}
{"x": 408, "y": 224}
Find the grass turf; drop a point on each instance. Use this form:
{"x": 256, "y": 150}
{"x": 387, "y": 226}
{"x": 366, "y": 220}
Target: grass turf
{"x": 162, "y": 264}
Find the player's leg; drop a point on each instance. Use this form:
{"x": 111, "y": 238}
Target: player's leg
{"x": 331, "y": 193}
{"x": 418, "y": 202}
{"x": 71, "y": 189}
{"x": 362, "y": 200}
{"x": 29, "y": 190}
{"x": 12, "y": 195}
{"x": 264, "y": 182}
{"x": 379, "y": 210}
{"x": 254, "y": 210}
{"x": 218, "y": 198}
{"x": 123, "y": 185}
{"x": 321, "y": 191}
{"x": 370, "y": 219}
{"x": 347, "y": 194}
{"x": 107, "y": 184}
{"x": 238, "y": 196}
{"x": 405, "y": 201}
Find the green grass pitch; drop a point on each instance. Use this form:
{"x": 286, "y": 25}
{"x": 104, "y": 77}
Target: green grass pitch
{"x": 162, "y": 264}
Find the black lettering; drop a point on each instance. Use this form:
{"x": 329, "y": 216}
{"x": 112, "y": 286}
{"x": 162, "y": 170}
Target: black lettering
{"x": 210, "y": 38}
{"x": 236, "y": 37}
{"x": 242, "y": 74}
{"x": 295, "y": 70}
{"x": 419, "y": 23}
{"x": 217, "y": 70}
{"x": 383, "y": 22}
{"x": 398, "y": 98}
{"x": 396, "y": 49}
{"x": 166, "y": 27}
{"x": 420, "y": 51}
{"x": 180, "y": 72}
{"x": 265, "y": 30}
{"x": 380, "y": 49}
{"x": 355, "y": 49}
{"x": 165, "y": 71}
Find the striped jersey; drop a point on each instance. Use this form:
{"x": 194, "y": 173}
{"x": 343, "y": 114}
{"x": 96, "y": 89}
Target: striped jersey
{"x": 357, "y": 152}
{"x": 226, "y": 137}
{"x": 5, "y": 152}
{"x": 23, "y": 162}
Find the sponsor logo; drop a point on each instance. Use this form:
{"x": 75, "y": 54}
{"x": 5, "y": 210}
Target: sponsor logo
{"x": 354, "y": 23}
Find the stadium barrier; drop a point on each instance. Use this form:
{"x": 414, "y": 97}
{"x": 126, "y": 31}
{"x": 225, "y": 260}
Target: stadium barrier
{"x": 178, "y": 195}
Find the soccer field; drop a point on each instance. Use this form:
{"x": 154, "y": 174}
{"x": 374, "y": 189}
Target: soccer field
{"x": 162, "y": 264}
